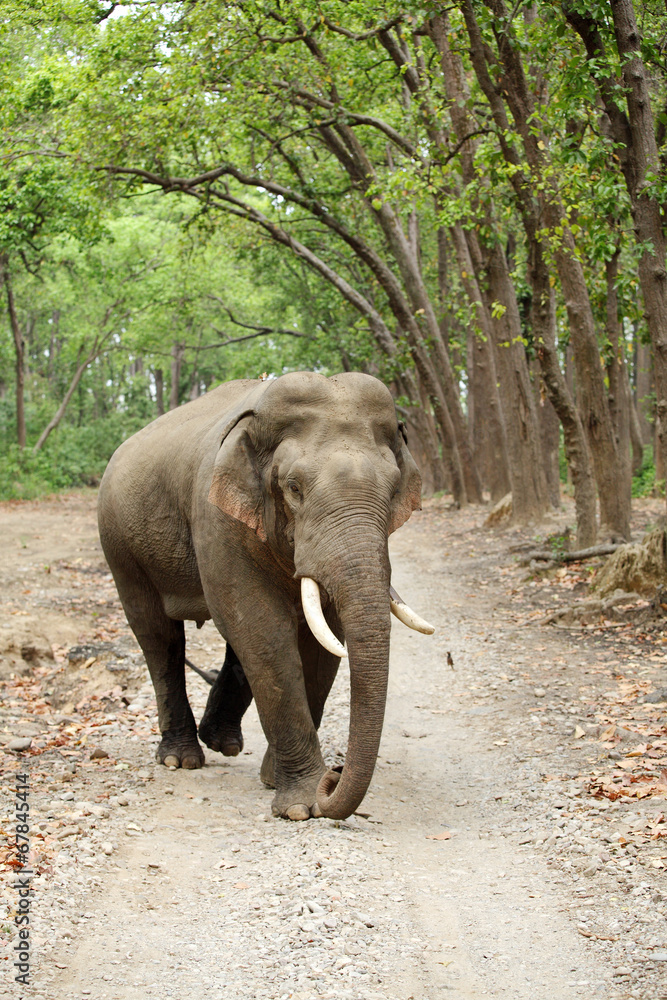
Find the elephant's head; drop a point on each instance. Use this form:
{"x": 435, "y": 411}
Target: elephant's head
{"x": 319, "y": 469}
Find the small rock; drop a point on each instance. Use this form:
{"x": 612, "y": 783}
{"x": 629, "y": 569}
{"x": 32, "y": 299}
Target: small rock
{"x": 658, "y": 956}
{"x": 539, "y": 692}
{"x": 22, "y": 743}
{"x": 655, "y": 697}
{"x": 107, "y": 848}
{"x": 623, "y": 970}
{"x": 352, "y": 949}
{"x": 98, "y": 754}
{"x": 68, "y": 831}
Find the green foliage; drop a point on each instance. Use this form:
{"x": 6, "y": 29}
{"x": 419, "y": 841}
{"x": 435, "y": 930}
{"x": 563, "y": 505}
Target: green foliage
{"x": 75, "y": 457}
{"x": 110, "y": 275}
{"x": 644, "y": 483}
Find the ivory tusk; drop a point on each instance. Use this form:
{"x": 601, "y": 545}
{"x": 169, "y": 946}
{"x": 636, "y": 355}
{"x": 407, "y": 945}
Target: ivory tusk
{"x": 312, "y": 609}
{"x": 407, "y": 615}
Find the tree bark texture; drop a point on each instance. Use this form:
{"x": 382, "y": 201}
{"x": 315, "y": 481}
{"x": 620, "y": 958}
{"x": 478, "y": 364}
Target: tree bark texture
{"x": 177, "y": 353}
{"x": 550, "y": 437}
{"x": 643, "y": 389}
{"x": 487, "y": 422}
{"x": 543, "y": 321}
{"x": 158, "y": 375}
{"x": 19, "y": 353}
{"x": 617, "y": 375}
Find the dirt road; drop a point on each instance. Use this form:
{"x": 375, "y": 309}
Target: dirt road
{"x": 481, "y": 864}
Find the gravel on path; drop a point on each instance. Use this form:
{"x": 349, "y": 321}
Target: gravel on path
{"x": 478, "y": 866}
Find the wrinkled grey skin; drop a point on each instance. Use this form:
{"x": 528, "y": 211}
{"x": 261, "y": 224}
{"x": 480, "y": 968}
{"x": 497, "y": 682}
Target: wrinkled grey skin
{"x": 216, "y": 510}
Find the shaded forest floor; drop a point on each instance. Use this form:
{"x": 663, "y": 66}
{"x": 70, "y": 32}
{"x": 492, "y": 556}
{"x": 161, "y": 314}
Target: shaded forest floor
{"x": 513, "y": 843}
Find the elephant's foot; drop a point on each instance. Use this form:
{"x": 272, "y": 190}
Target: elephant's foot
{"x": 222, "y": 735}
{"x": 297, "y": 800}
{"x": 180, "y": 748}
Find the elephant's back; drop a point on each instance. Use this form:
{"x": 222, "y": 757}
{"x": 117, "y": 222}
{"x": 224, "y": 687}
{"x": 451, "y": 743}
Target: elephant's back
{"x": 151, "y": 475}
{"x": 175, "y": 435}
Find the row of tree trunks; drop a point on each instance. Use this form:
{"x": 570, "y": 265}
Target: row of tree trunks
{"x": 637, "y": 150}
{"x": 543, "y": 213}
{"x": 493, "y": 295}
{"x": 486, "y": 420}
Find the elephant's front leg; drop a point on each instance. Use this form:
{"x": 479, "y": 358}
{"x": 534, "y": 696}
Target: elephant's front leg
{"x": 319, "y": 671}
{"x": 273, "y": 667}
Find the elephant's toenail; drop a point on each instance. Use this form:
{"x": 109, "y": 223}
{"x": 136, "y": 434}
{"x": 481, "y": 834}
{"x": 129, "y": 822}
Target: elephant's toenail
{"x": 191, "y": 763}
{"x": 171, "y": 760}
{"x": 298, "y": 812}
{"x": 315, "y": 811}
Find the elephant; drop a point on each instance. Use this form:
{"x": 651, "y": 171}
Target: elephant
{"x": 266, "y": 506}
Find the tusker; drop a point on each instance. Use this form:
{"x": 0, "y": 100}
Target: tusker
{"x": 266, "y": 507}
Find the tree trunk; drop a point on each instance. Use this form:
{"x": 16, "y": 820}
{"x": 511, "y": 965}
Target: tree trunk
{"x": 543, "y": 320}
{"x": 658, "y": 453}
{"x": 158, "y": 375}
{"x": 617, "y": 374}
{"x": 19, "y": 354}
{"x": 422, "y": 434}
{"x": 60, "y": 412}
{"x": 643, "y": 389}
{"x": 549, "y": 436}
{"x": 529, "y": 489}
{"x": 53, "y": 344}
{"x": 636, "y": 439}
{"x": 489, "y": 435}
{"x": 177, "y": 353}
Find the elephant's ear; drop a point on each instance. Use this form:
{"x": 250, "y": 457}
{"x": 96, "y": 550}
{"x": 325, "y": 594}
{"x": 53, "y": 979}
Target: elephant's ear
{"x": 236, "y": 484}
{"x": 409, "y": 494}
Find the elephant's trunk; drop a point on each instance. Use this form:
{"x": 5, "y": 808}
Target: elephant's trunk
{"x": 357, "y": 580}
{"x": 338, "y": 795}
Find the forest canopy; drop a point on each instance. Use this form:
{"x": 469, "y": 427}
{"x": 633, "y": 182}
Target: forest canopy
{"x": 466, "y": 200}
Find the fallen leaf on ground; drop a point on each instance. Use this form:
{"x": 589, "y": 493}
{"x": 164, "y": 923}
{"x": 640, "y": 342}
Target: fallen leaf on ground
{"x": 445, "y": 835}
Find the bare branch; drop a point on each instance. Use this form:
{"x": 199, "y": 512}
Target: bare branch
{"x": 252, "y": 326}
{"x": 362, "y": 36}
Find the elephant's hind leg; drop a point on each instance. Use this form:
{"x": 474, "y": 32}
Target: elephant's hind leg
{"x": 163, "y": 643}
{"x": 230, "y": 696}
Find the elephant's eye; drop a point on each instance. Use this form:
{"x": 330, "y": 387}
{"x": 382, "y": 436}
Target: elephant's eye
{"x": 293, "y": 488}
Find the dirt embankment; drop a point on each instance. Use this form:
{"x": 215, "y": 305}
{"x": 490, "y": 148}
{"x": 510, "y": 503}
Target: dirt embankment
{"x": 512, "y": 844}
